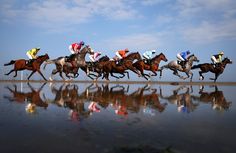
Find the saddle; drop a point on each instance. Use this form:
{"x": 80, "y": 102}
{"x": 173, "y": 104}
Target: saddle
{"x": 30, "y": 62}
{"x": 182, "y": 63}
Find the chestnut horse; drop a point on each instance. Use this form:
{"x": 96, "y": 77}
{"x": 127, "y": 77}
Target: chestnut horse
{"x": 111, "y": 67}
{"x": 141, "y": 65}
{"x": 207, "y": 67}
{"x": 21, "y": 64}
{"x": 95, "y": 67}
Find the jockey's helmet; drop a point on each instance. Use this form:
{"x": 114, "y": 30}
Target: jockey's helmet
{"x": 38, "y": 48}
{"x": 82, "y": 43}
{"x": 126, "y": 50}
{"x": 221, "y": 53}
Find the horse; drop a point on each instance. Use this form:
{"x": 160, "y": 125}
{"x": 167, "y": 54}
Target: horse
{"x": 21, "y": 64}
{"x": 62, "y": 66}
{"x": 126, "y": 63}
{"x": 95, "y": 67}
{"x": 175, "y": 67}
{"x": 141, "y": 65}
{"x": 207, "y": 67}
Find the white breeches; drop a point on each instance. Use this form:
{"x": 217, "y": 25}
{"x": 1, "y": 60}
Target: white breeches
{"x": 118, "y": 55}
{"x": 71, "y": 49}
{"x": 91, "y": 58}
{"x": 214, "y": 60}
{"x": 30, "y": 57}
{"x": 179, "y": 57}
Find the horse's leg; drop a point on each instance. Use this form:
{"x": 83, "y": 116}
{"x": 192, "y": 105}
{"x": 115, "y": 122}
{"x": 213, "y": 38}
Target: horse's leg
{"x": 216, "y": 76}
{"x": 201, "y": 76}
{"x": 177, "y": 74}
{"x": 31, "y": 74}
{"x": 116, "y": 76}
{"x": 60, "y": 73}
{"x": 10, "y": 72}
{"x": 191, "y": 78}
{"x": 127, "y": 74}
{"x": 154, "y": 73}
{"x": 41, "y": 74}
{"x": 15, "y": 73}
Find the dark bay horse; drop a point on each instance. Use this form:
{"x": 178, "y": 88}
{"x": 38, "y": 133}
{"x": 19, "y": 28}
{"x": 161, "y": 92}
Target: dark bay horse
{"x": 153, "y": 67}
{"x": 126, "y": 63}
{"x": 66, "y": 67}
{"x": 207, "y": 67}
{"x": 95, "y": 67}
{"x": 21, "y": 64}
{"x": 175, "y": 67}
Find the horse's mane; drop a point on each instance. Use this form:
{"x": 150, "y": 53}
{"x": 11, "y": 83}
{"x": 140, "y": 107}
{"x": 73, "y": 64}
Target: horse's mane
{"x": 132, "y": 53}
{"x": 42, "y": 55}
{"x": 103, "y": 57}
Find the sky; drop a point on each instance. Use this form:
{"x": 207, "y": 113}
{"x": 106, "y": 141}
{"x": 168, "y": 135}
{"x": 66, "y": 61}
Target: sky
{"x": 204, "y": 27}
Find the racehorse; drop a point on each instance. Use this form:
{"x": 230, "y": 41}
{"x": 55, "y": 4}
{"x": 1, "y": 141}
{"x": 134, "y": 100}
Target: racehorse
{"x": 141, "y": 65}
{"x": 66, "y": 67}
{"x": 175, "y": 67}
{"x": 21, "y": 64}
{"x": 126, "y": 63}
{"x": 207, "y": 67}
{"x": 95, "y": 67}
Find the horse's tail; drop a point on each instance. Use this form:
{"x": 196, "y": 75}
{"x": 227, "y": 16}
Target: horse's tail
{"x": 10, "y": 63}
{"x": 48, "y": 62}
{"x": 196, "y": 66}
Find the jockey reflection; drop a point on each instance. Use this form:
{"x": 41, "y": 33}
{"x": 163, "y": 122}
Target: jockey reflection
{"x": 184, "y": 100}
{"x": 215, "y": 98}
{"x": 33, "y": 98}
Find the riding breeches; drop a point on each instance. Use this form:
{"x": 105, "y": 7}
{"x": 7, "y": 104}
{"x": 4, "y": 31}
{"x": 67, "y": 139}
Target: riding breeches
{"x": 118, "y": 55}
{"x": 179, "y": 57}
{"x": 214, "y": 60}
{"x": 29, "y": 56}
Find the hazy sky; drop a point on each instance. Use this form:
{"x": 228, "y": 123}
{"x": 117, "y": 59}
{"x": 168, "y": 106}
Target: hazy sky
{"x": 202, "y": 26}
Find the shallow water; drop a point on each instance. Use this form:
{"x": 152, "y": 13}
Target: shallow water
{"x": 116, "y": 118}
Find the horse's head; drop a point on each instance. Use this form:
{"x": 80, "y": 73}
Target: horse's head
{"x": 193, "y": 58}
{"x": 43, "y": 57}
{"x": 133, "y": 56}
{"x": 163, "y": 57}
{"x": 227, "y": 61}
{"x": 87, "y": 49}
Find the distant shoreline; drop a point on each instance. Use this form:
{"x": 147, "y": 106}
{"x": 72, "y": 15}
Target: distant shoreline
{"x": 125, "y": 82}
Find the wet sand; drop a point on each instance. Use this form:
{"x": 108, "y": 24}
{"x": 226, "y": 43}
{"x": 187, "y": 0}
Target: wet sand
{"x": 128, "y": 82}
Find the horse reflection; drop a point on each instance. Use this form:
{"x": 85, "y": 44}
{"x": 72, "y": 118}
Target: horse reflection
{"x": 184, "y": 101}
{"x": 216, "y": 98}
{"x": 67, "y": 96}
{"x": 33, "y": 97}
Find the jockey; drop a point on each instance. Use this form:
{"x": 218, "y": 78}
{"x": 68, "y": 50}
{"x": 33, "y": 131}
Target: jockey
{"x": 121, "y": 54}
{"x": 32, "y": 54}
{"x": 148, "y": 55}
{"x": 74, "y": 49}
{"x": 94, "y": 57}
{"x": 183, "y": 57}
{"x": 216, "y": 59}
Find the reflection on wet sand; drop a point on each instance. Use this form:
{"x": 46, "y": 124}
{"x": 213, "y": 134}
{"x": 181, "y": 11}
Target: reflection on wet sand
{"x": 32, "y": 98}
{"x": 183, "y": 100}
{"x": 215, "y": 98}
{"x": 97, "y": 97}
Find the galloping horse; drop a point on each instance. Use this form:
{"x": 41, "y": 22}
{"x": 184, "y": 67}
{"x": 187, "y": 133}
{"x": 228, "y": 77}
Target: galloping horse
{"x": 95, "y": 67}
{"x": 141, "y": 65}
{"x": 66, "y": 67}
{"x": 21, "y": 64}
{"x": 111, "y": 67}
{"x": 175, "y": 67}
{"x": 206, "y": 67}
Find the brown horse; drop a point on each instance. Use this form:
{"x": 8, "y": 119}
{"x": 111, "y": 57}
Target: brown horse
{"x": 126, "y": 63}
{"x": 95, "y": 67}
{"x": 207, "y": 67}
{"x": 141, "y": 65}
{"x": 21, "y": 64}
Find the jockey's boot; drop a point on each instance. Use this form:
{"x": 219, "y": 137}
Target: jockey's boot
{"x": 149, "y": 62}
{"x": 30, "y": 62}
{"x": 182, "y": 63}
